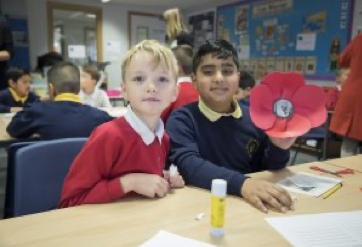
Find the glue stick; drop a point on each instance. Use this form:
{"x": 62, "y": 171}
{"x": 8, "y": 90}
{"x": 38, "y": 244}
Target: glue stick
{"x": 218, "y": 196}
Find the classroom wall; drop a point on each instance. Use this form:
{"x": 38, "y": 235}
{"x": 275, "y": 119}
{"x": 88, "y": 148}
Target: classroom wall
{"x": 14, "y": 8}
{"x": 211, "y": 5}
{"x": 115, "y": 28}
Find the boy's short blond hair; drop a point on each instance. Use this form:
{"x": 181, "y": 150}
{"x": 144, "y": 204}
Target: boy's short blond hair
{"x": 161, "y": 54}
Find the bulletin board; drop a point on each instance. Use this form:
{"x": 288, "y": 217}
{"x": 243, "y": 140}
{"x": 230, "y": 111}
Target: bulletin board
{"x": 287, "y": 35}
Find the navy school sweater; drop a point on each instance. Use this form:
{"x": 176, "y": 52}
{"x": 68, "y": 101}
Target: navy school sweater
{"x": 225, "y": 149}
{"x": 57, "y": 119}
{"x": 7, "y": 100}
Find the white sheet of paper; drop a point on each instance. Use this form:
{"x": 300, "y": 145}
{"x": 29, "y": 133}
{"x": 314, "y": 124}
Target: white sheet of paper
{"x": 113, "y": 46}
{"x": 306, "y": 42}
{"x": 76, "y": 51}
{"x": 320, "y": 230}
{"x": 166, "y": 239}
{"x": 309, "y": 184}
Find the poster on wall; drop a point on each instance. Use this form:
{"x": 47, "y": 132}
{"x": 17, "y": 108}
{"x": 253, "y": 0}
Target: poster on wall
{"x": 315, "y": 22}
{"x": 310, "y": 65}
{"x": 202, "y": 26}
{"x": 306, "y": 42}
{"x": 300, "y": 64}
{"x": 20, "y": 39}
{"x": 268, "y": 8}
{"x": 241, "y": 22}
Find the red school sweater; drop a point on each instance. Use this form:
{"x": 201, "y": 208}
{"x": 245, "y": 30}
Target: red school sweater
{"x": 187, "y": 94}
{"x": 113, "y": 150}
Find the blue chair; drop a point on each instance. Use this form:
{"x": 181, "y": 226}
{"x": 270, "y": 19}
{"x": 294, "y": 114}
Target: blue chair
{"x": 36, "y": 171}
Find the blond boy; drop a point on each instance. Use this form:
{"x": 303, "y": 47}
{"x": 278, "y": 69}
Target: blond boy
{"x": 128, "y": 154}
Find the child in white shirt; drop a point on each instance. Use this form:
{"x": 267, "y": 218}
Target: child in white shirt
{"x": 90, "y": 94}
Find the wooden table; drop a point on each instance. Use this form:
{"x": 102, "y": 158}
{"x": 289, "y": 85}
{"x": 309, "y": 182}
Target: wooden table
{"x": 132, "y": 221}
{"x": 353, "y": 162}
{"x": 5, "y": 119}
{"x": 4, "y": 122}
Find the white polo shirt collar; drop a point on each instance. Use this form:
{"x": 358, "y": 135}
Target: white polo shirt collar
{"x": 141, "y": 128}
{"x": 184, "y": 79}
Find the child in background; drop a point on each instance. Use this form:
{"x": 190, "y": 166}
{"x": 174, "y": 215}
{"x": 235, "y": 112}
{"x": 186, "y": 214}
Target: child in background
{"x": 62, "y": 117}
{"x": 128, "y": 154}
{"x": 246, "y": 83}
{"x": 18, "y": 94}
{"x": 187, "y": 92}
{"x": 215, "y": 137}
{"x": 90, "y": 94}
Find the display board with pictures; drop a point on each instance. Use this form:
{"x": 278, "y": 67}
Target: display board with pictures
{"x": 287, "y": 35}
{"x": 202, "y": 26}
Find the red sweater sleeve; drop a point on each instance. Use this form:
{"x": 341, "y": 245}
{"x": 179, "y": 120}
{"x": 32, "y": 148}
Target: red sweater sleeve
{"x": 88, "y": 180}
{"x": 345, "y": 57}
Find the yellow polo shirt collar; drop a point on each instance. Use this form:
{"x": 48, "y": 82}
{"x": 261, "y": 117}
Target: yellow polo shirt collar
{"x": 213, "y": 116}
{"x": 16, "y": 97}
{"x": 68, "y": 97}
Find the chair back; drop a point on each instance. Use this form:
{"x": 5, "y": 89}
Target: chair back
{"x": 36, "y": 172}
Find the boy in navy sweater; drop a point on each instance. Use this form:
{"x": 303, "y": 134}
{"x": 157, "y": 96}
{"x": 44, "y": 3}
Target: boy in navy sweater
{"x": 18, "y": 94}
{"x": 215, "y": 137}
{"x": 62, "y": 117}
{"x": 128, "y": 155}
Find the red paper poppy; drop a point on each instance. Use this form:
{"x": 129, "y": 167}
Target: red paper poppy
{"x": 284, "y": 106}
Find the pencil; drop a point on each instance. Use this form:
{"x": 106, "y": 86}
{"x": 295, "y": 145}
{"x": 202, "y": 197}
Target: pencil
{"x": 332, "y": 191}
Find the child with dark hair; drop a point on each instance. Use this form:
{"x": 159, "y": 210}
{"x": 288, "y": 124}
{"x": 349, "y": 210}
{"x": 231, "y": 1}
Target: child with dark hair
{"x": 215, "y": 137}
{"x": 246, "y": 83}
{"x": 62, "y": 117}
{"x": 90, "y": 94}
{"x": 18, "y": 94}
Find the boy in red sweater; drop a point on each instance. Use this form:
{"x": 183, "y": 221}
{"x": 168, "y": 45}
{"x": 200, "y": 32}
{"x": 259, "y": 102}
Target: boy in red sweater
{"x": 128, "y": 154}
{"x": 187, "y": 92}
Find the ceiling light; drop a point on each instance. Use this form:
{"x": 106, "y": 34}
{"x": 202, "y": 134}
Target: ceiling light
{"x": 105, "y": 1}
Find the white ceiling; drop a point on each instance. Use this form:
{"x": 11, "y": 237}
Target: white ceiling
{"x": 182, "y": 4}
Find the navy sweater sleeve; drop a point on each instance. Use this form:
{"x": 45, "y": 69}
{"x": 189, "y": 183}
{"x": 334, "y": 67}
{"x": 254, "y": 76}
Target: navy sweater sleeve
{"x": 269, "y": 156}
{"x": 274, "y": 157}
{"x": 23, "y": 124}
{"x": 184, "y": 152}
{"x": 4, "y": 108}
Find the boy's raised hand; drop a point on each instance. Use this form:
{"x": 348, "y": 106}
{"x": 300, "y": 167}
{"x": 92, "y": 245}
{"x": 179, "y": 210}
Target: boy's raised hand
{"x": 264, "y": 195}
{"x": 149, "y": 185}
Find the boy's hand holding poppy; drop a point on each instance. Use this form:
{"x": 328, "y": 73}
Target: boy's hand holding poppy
{"x": 283, "y": 143}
